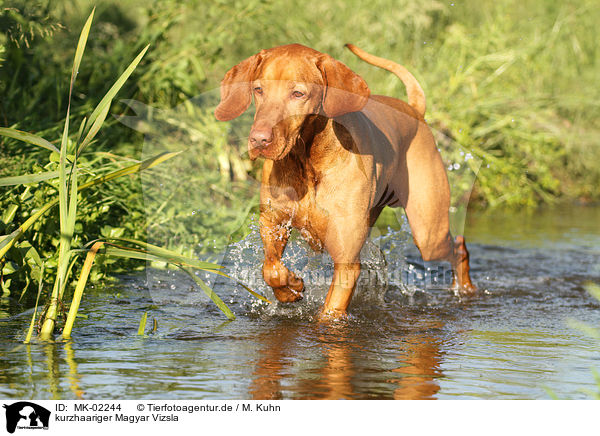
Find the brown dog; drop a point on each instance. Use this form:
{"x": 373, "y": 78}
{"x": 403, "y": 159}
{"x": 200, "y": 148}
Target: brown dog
{"x": 335, "y": 157}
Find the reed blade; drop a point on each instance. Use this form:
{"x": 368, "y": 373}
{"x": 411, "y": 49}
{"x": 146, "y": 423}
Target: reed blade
{"x": 78, "y": 294}
{"x": 143, "y": 255}
{"x": 7, "y": 241}
{"x": 102, "y": 106}
{"x": 26, "y": 179}
{"x": 142, "y": 327}
{"x": 210, "y": 293}
{"x": 94, "y": 129}
{"x": 168, "y": 254}
{"x": 37, "y": 300}
{"x": 83, "y": 37}
{"x": 30, "y": 138}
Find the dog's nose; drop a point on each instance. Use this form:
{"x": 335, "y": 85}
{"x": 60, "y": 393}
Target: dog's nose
{"x": 261, "y": 138}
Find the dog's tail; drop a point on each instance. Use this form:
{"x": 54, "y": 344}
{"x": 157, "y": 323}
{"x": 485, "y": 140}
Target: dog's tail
{"x": 416, "y": 96}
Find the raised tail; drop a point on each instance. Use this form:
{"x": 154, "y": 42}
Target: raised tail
{"x": 416, "y": 96}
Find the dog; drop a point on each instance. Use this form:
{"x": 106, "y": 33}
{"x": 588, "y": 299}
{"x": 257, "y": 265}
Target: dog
{"x": 335, "y": 156}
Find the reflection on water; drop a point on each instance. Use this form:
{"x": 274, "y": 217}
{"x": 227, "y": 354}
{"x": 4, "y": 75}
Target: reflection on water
{"x": 511, "y": 342}
{"x": 422, "y": 360}
{"x": 338, "y": 374}
{"x": 73, "y": 377}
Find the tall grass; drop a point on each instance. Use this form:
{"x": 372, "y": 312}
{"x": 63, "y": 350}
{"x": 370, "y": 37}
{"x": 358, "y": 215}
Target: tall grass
{"x": 513, "y": 81}
{"x": 69, "y": 187}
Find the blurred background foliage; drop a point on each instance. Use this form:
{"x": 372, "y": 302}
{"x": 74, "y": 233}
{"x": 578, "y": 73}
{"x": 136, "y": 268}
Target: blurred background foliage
{"x": 511, "y": 83}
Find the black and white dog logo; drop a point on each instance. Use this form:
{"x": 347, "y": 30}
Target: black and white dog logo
{"x": 26, "y": 415}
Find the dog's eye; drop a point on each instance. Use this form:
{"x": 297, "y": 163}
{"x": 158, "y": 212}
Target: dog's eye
{"x": 258, "y": 90}
{"x": 298, "y": 94}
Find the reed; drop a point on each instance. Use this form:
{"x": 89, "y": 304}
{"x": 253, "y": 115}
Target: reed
{"x": 69, "y": 188}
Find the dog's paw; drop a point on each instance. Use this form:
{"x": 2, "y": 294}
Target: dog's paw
{"x": 468, "y": 289}
{"x": 329, "y": 316}
{"x": 286, "y": 294}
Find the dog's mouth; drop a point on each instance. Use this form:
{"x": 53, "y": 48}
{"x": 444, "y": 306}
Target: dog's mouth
{"x": 280, "y": 147}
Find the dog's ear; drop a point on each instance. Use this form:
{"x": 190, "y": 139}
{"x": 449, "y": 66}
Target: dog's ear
{"x": 236, "y": 92}
{"x": 345, "y": 91}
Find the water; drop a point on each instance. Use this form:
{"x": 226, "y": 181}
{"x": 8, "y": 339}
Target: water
{"x": 408, "y": 339}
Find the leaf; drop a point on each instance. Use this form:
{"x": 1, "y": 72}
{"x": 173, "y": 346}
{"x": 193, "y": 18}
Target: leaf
{"x": 584, "y": 328}
{"x": 94, "y": 129}
{"x": 550, "y": 393}
{"x": 30, "y": 138}
{"x": 9, "y": 268}
{"x": 9, "y": 214}
{"x": 141, "y": 166}
{"x": 72, "y": 214}
{"x": 128, "y": 253}
{"x": 68, "y": 209}
{"x": 172, "y": 256}
{"x": 80, "y": 133}
{"x": 257, "y": 295}
{"x": 593, "y": 290}
{"x": 211, "y": 294}
{"x": 78, "y": 294}
{"x": 142, "y": 255}
{"x": 29, "y": 178}
{"x": 142, "y": 326}
{"x": 83, "y": 37}
{"x": 105, "y": 102}
{"x": 7, "y": 241}
{"x": 37, "y": 300}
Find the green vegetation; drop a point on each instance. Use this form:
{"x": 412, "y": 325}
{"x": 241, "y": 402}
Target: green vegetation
{"x": 68, "y": 189}
{"x": 514, "y": 83}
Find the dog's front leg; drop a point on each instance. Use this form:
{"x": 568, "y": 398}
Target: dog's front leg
{"x": 345, "y": 238}
{"x": 287, "y": 287}
{"x": 345, "y": 276}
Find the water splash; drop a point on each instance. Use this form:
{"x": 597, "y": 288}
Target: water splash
{"x": 391, "y": 272}
{"x": 381, "y": 255}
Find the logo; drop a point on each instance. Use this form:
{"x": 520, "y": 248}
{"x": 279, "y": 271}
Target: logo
{"x": 26, "y": 415}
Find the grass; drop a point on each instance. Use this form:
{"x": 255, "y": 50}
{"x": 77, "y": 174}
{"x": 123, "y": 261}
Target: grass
{"x": 511, "y": 81}
{"x": 66, "y": 198}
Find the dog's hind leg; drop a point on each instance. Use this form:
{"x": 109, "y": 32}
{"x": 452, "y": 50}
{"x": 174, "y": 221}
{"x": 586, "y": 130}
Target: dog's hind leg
{"x": 427, "y": 202}
{"x": 435, "y": 245}
{"x": 460, "y": 267}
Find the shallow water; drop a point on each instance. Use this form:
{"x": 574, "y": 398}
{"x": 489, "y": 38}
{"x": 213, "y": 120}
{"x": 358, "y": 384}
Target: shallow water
{"x": 408, "y": 337}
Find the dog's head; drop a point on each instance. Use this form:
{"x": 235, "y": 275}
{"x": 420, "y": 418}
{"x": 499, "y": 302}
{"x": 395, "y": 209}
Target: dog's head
{"x": 289, "y": 83}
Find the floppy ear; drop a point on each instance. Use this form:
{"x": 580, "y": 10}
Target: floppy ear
{"x": 345, "y": 91}
{"x": 236, "y": 92}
